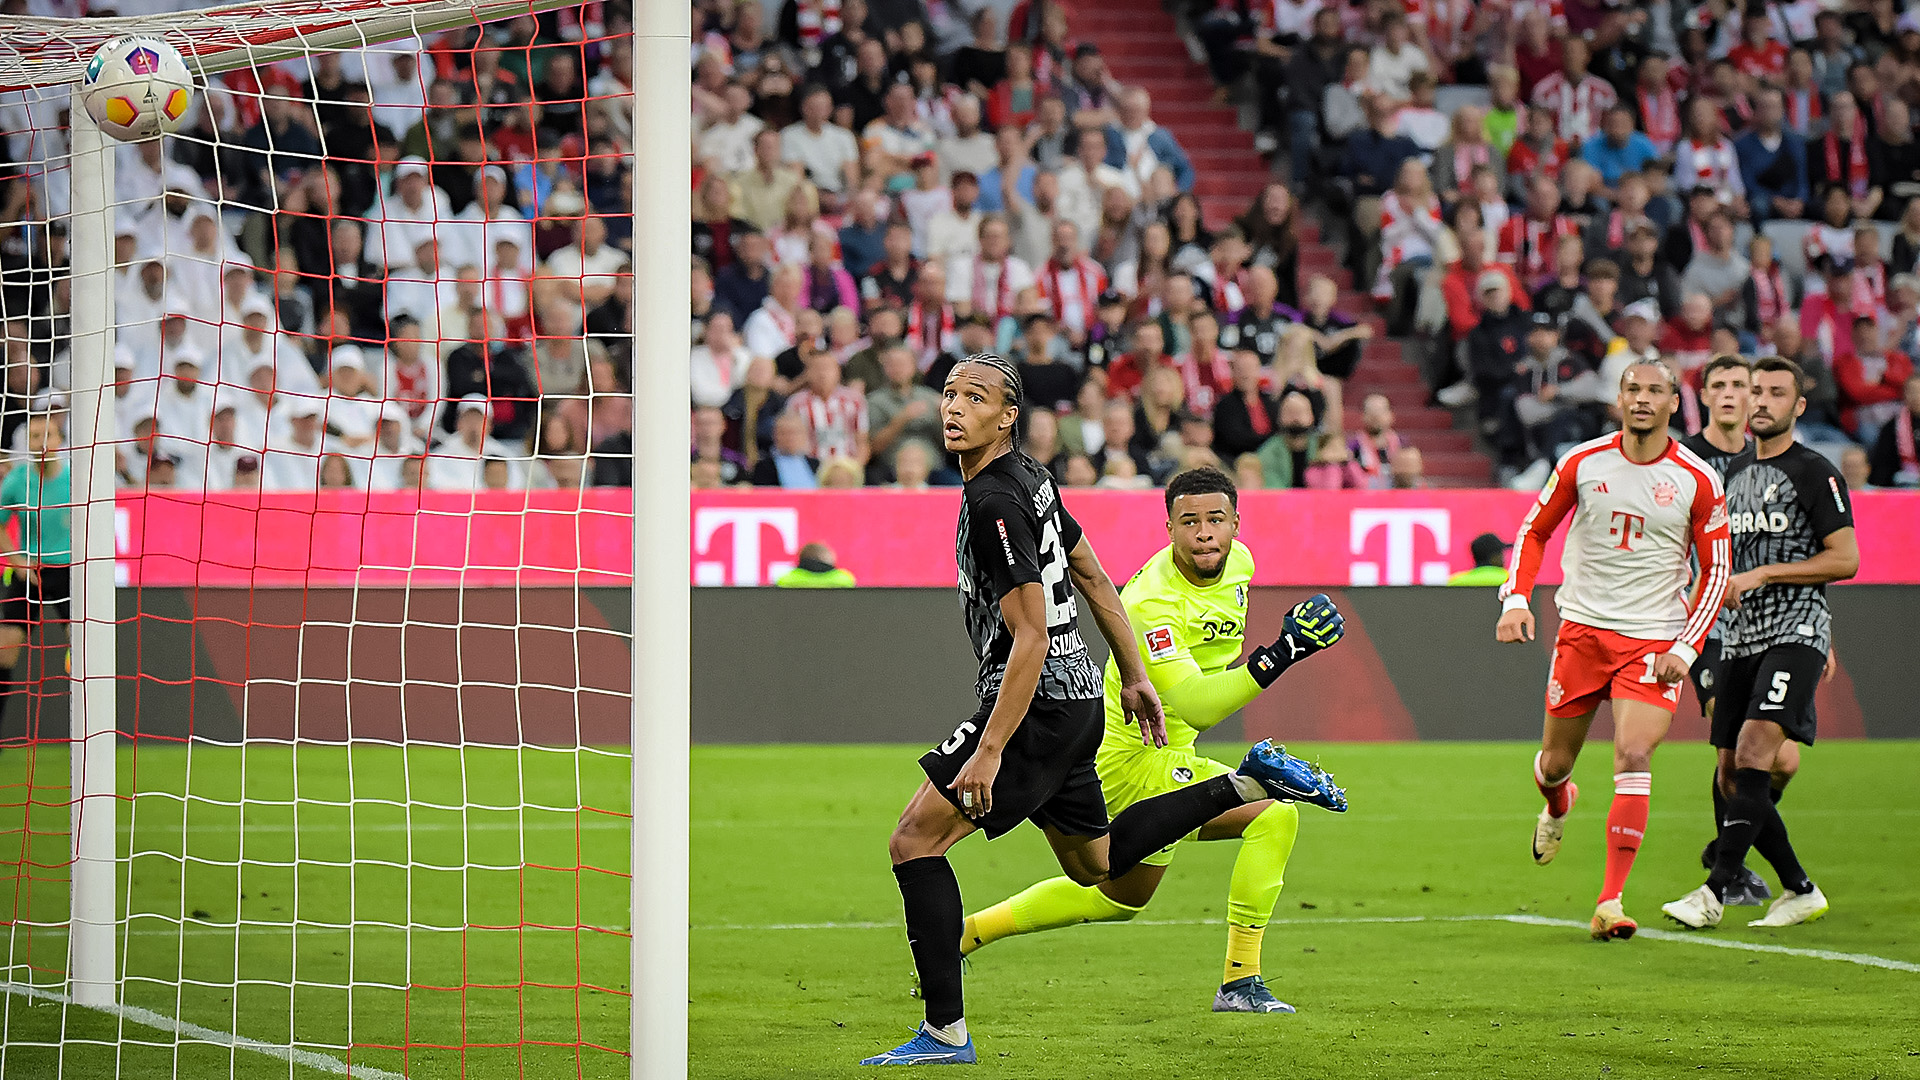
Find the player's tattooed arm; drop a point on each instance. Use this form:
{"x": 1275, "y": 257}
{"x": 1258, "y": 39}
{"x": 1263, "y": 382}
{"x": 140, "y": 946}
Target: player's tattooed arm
{"x": 1138, "y": 699}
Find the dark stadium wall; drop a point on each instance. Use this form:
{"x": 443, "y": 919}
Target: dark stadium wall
{"x": 496, "y": 666}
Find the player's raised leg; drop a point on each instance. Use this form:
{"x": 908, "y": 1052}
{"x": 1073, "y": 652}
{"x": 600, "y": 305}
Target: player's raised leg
{"x": 1560, "y": 743}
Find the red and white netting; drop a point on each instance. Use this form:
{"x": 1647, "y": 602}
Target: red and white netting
{"x": 369, "y": 423}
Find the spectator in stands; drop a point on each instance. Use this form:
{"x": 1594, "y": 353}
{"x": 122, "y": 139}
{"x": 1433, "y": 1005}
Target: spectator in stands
{"x": 1495, "y": 344}
{"x": 827, "y": 153}
{"x": 903, "y": 410}
{"x": 1372, "y": 164}
{"x": 1773, "y": 161}
{"x": 1081, "y": 431}
{"x": 760, "y": 193}
{"x": 1872, "y": 380}
{"x": 892, "y": 143}
{"x": 1644, "y": 276}
{"x": 1465, "y": 151}
{"x": 1292, "y": 457}
{"x": 773, "y": 328}
{"x": 1306, "y": 75}
{"x": 1720, "y": 273}
{"x": 709, "y": 430}
{"x": 1409, "y": 469}
{"x": 863, "y": 235}
{"x": 969, "y": 149}
{"x": 1840, "y": 159}
{"x": 912, "y": 465}
{"x": 1373, "y": 446}
{"x": 1246, "y": 417}
{"x": 1893, "y": 461}
{"x": 835, "y": 415}
{"x": 1140, "y": 146}
{"x": 720, "y": 363}
{"x": 788, "y": 464}
{"x": 1269, "y": 228}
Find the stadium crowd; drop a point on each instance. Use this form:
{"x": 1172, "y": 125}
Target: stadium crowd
{"x": 386, "y": 268}
{"x": 407, "y": 265}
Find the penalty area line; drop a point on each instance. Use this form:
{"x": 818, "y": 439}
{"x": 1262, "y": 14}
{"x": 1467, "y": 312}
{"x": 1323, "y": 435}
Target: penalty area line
{"x": 194, "y": 1032}
{"x": 1680, "y": 937}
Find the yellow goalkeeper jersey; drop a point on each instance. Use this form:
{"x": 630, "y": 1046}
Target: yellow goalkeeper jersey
{"x": 1183, "y": 629}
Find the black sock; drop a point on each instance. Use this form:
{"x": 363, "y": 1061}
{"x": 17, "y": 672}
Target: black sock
{"x": 1712, "y": 852}
{"x": 1772, "y": 844}
{"x": 1151, "y": 824}
{"x": 1746, "y": 814}
{"x": 934, "y": 919}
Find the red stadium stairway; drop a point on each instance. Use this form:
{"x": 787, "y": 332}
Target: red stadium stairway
{"x": 1142, "y": 47}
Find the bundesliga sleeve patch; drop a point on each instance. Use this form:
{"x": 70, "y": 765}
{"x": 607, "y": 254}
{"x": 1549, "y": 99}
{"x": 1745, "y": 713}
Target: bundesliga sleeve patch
{"x": 1160, "y": 643}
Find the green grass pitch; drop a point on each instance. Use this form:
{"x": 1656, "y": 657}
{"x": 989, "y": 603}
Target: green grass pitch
{"x": 797, "y": 835}
{"x": 799, "y": 966}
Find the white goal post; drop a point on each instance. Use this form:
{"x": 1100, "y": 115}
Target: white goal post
{"x": 42, "y": 54}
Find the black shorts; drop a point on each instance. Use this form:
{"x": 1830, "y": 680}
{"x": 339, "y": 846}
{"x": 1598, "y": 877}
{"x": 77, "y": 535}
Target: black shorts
{"x": 1046, "y": 772}
{"x": 1776, "y": 686}
{"x": 1705, "y": 672}
{"x": 22, "y": 601}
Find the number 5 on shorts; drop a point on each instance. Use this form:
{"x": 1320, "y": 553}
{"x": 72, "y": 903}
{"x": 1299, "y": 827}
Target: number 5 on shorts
{"x": 959, "y": 736}
{"x": 1778, "y": 693}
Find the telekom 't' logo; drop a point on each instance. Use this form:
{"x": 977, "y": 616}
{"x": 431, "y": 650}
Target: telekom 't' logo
{"x": 751, "y": 564}
{"x": 1401, "y": 527}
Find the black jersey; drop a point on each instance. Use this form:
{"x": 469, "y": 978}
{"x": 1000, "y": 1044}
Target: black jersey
{"x": 1014, "y": 531}
{"x": 1724, "y": 464}
{"x": 1781, "y": 509}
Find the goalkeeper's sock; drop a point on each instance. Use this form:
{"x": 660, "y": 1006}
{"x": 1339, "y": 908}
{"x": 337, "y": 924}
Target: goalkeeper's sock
{"x": 1151, "y": 824}
{"x": 1626, "y": 827}
{"x": 1049, "y": 905}
{"x": 1259, "y": 871}
{"x": 931, "y": 895}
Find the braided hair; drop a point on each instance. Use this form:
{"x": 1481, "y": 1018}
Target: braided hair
{"x": 1016, "y": 388}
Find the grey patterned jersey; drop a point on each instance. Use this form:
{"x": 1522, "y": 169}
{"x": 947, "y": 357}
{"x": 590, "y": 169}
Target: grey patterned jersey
{"x": 1724, "y": 464}
{"x": 1781, "y": 509}
{"x": 1013, "y": 531}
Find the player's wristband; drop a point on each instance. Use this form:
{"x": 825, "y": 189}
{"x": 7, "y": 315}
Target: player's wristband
{"x": 1266, "y": 664}
{"x": 1514, "y": 602}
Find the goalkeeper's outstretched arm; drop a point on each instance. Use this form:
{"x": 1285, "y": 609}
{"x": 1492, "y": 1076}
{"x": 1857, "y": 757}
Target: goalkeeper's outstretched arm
{"x": 1203, "y": 699}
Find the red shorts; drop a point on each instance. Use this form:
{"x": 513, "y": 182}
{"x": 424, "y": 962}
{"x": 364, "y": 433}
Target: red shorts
{"x": 1591, "y": 665}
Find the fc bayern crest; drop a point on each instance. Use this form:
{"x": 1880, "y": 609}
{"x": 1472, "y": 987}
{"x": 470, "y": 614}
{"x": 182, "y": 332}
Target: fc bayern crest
{"x": 1665, "y": 492}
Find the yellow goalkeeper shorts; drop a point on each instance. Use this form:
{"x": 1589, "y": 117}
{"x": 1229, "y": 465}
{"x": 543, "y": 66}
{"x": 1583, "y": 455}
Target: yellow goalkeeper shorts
{"x": 1130, "y": 774}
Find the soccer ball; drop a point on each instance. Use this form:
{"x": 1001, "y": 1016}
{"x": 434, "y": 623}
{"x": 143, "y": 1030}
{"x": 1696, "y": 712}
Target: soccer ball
{"x": 137, "y": 87}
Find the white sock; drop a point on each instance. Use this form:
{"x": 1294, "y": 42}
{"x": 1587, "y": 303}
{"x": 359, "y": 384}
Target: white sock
{"x": 954, "y": 1034}
{"x": 1249, "y": 788}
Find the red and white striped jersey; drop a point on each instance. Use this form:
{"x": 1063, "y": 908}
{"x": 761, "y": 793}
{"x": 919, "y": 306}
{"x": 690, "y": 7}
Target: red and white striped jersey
{"x": 1576, "y": 108}
{"x": 1625, "y": 566}
{"x": 834, "y": 423}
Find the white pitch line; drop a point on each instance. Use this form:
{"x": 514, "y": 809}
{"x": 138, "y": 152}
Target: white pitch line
{"x": 1684, "y": 938}
{"x": 162, "y": 1022}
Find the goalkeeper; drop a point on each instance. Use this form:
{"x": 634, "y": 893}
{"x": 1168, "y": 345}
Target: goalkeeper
{"x": 1188, "y": 605}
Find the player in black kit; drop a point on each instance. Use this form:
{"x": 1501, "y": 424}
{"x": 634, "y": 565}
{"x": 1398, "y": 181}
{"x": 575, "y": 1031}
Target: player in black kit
{"x": 1726, "y": 389}
{"x": 1028, "y": 753}
{"x": 1792, "y": 526}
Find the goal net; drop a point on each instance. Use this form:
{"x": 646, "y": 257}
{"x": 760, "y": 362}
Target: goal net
{"x": 317, "y": 436}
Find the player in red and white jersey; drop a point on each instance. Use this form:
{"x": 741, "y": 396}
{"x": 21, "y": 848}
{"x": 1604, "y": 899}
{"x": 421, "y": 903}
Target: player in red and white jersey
{"x": 1633, "y": 615}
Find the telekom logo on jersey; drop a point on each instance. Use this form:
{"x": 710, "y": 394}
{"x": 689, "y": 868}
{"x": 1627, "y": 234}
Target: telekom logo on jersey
{"x": 1394, "y": 538}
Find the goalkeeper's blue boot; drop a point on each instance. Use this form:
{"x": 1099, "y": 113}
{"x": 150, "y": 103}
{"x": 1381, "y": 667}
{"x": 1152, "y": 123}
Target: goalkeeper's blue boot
{"x": 924, "y": 1049}
{"x": 1248, "y": 995}
{"x": 1289, "y": 779}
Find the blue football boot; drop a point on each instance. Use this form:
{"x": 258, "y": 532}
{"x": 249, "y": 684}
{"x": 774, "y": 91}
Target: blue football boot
{"x": 1289, "y": 779}
{"x": 924, "y": 1049}
{"x": 1248, "y": 995}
